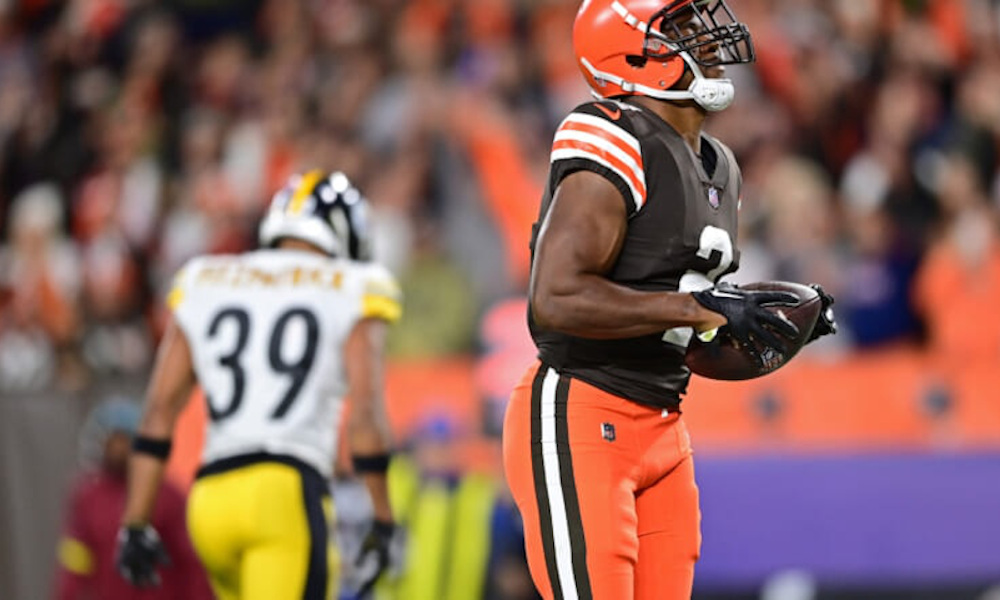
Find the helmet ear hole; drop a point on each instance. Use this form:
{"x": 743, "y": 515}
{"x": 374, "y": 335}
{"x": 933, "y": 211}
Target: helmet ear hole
{"x": 636, "y": 61}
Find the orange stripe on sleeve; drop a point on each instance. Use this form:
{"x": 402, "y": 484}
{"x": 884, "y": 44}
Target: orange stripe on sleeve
{"x": 618, "y": 140}
{"x": 580, "y": 149}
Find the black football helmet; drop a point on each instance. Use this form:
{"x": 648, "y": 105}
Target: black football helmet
{"x": 326, "y": 211}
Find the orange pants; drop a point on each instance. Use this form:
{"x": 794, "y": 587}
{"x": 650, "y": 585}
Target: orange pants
{"x": 606, "y": 489}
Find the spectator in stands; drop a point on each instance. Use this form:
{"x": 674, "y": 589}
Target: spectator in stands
{"x": 441, "y": 308}
{"x": 958, "y": 285}
{"x": 115, "y": 340}
{"x": 86, "y": 551}
{"x": 39, "y": 320}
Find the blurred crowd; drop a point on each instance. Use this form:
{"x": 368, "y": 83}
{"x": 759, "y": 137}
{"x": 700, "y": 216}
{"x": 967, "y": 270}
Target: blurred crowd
{"x": 135, "y": 134}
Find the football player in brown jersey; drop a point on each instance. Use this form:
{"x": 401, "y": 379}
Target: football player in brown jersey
{"x": 637, "y": 225}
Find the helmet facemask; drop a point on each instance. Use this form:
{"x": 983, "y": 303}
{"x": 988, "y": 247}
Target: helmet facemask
{"x": 694, "y": 26}
{"x": 703, "y": 33}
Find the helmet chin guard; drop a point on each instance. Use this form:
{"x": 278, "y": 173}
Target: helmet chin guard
{"x": 713, "y": 94}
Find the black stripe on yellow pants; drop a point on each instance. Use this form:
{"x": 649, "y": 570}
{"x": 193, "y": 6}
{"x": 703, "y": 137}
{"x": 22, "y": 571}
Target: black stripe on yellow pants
{"x": 314, "y": 489}
{"x": 260, "y": 525}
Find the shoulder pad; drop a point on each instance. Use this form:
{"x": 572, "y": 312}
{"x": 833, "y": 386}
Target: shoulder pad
{"x": 382, "y": 297}
{"x": 599, "y": 133}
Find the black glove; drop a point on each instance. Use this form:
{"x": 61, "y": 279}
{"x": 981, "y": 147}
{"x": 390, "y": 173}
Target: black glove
{"x": 373, "y": 558}
{"x": 139, "y": 552}
{"x": 744, "y": 310}
{"x": 826, "y": 324}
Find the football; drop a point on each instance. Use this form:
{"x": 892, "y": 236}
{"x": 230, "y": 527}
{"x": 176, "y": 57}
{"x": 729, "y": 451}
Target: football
{"x": 724, "y": 358}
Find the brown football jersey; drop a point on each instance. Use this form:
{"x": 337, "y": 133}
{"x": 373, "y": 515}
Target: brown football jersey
{"x": 682, "y": 215}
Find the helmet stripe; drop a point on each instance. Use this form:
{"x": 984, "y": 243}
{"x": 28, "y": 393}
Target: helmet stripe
{"x": 304, "y": 190}
{"x": 632, "y": 20}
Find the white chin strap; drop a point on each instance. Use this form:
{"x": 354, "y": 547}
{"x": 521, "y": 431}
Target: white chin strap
{"x": 711, "y": 94}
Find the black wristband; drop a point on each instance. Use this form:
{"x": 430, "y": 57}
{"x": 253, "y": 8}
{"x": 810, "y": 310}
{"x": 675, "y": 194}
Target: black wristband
{"x": 371, "y": 463}
{"x": 152, "y": 447}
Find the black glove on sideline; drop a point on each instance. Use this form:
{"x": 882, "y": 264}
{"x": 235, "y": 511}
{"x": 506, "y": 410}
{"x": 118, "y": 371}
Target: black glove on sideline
{"x": 139, "y": 552}
{"x": 373, "y": 557}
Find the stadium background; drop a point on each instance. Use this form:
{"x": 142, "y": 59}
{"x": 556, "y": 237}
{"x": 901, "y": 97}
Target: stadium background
{"x": 135, "y": 134}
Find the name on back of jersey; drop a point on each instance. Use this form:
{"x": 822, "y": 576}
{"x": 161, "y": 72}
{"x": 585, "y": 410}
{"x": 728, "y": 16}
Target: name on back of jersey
{"x": 248, "y": 276}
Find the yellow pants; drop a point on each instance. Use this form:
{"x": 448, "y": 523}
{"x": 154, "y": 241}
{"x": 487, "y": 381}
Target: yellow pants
{"x": 261, "y": 528}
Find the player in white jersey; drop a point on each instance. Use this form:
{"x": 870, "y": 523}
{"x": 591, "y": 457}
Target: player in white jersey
{"x": 276, "y": 338}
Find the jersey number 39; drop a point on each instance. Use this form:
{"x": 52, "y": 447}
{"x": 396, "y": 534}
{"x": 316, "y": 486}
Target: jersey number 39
{"x": 296, "y": 371}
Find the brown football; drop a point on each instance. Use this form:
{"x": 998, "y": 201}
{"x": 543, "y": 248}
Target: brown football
{"x": 724, "y": 358}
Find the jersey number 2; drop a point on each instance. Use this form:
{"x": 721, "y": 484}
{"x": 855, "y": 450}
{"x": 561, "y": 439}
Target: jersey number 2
{"x": 297, "y": 371}
{"x": 713, "y": 244}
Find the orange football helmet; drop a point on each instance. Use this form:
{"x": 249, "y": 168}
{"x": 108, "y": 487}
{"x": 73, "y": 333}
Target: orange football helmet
{"x": 643, "y": 47}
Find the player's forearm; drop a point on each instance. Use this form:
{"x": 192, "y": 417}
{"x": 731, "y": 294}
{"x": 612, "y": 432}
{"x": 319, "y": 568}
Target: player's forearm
{"x": 368, "y": 432}
{"x": 145, "y": 475}
{"x": 378, "y": 489}
{"x": 145, "y": 470}
{"x": 368, "y": 439}
{"x": 160, "y": 416}
{"x": 591, "y": 306}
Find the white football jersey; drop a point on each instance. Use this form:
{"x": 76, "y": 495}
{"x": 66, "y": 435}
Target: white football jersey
{"x": 266, "y": 331}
